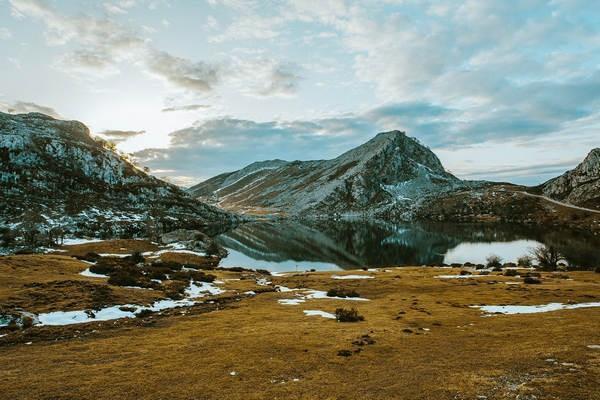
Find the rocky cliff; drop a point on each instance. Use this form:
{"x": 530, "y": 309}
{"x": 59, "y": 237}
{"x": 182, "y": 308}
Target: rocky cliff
{"x": 56, "y": 169}
{"x": 580, "y": 186}
{"x": 389, "y": 169}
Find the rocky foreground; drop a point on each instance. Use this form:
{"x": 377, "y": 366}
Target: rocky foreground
{"x": 410, "y": 333}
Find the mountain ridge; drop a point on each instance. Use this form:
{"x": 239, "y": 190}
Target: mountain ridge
{"x": 54, "y": 168}
{"x": 369, "y": 178}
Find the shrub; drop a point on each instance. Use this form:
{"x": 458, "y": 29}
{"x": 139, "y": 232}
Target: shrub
{"x": 524, "y": 261}
{"x": 511, "y": 272}
{"x": 493, "y": 261}
{"x": 213, "y": 249}
{"x": 135, "y": 258}
{"x": 341, "y": 292}
{"x": 103, "y": 268}
{"x": 125, "y": 277}
{"x": 91, "y": 257}
{"x": 463, "y": 272}
{"x": 597, "y": 270}
{"x": 143, "y": 313}
{"x": 547, "y": 256}
{"x": 26, "y": 322}
{"x": 531, "y": 280}
{"x": 344, "y": 353}
{"x": 344, "y": 315}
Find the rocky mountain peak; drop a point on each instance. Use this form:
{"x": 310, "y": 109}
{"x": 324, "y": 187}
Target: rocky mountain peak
{"x": 389, "y": 168}
{"x": 57, "y": 169}
{"x": 579, "y": 186}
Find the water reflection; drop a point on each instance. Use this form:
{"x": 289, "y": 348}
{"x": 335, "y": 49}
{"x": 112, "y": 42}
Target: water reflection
{"x": 326, "y": 245}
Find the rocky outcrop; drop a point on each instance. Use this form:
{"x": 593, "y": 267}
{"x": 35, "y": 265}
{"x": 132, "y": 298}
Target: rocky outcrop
{"x": 389, "y": 169}
{"x": 57, "y": 170}
{"x": 194, "y": 240}
{"x": 580, "y": 186}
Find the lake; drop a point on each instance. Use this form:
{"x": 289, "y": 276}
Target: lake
{"x": 290, "y": 245}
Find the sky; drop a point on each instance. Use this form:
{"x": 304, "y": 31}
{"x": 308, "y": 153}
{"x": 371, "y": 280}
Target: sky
{"x": 499, "y": 90}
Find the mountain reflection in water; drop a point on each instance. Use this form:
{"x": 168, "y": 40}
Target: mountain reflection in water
{"x": 326, "y": 245}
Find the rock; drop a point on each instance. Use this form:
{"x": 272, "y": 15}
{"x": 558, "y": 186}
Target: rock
{"x": 194, "y": 240}
{"x": 580, "y": 186}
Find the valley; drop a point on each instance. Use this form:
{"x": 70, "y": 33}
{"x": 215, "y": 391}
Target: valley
{"x": 422, "y": 336}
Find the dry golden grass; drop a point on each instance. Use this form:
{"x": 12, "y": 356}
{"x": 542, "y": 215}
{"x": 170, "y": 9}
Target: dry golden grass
{"x": 429, "y": 344}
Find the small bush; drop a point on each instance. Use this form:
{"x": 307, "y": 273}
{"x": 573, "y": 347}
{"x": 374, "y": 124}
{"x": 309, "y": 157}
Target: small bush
{"x": 125, "y": 277}
{"x": 547, "y": 256}
{"x": 144, "y": 313}
{"x": 263, "y": 272}
{"x": 597, "y": 270}
{"x": 493, "y": 261}
{"x": 101, "y": 268}
{"x": 26, "y": 322}
{"x": 531, "y": 280}
{"x": 341, "y": 292}
{"x": 135, "y": 258}
{"x": 344, "y": 353}
{"x": 344, "y": 315}
{"x": 511, "y": 272}
{"x": 91, "y": 257}
{"x": 463, "y": 272}
{"x": 524, "y": 261}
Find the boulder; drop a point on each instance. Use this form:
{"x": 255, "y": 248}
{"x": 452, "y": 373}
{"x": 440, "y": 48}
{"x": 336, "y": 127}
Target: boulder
{"x": 194, "y": 240}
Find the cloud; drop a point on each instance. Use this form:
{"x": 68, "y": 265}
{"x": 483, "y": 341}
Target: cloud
{"x": 104, "y": 44}
{"x": 193, "y": 76}
{"x": 117, "y": 136}
{"x": 188, "y": 107}
{"x": 5, "y": 33}
{"x": 21, "y": 107}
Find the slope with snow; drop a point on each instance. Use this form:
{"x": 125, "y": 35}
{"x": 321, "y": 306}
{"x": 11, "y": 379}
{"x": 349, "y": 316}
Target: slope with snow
{"x": 388, "y": 169}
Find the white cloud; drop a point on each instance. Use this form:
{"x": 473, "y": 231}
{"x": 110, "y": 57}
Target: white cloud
{"x": 5, "y": 33}
{"x": 22, "y": 107}
{"x": 104, "y": 44}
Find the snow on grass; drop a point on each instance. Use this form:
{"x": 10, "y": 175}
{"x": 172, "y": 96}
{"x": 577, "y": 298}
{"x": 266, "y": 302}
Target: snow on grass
{"x": 513, "y": 309}
{"x": 319, "y": 313}
{"x": 311, "y": 294}
{"x": 460, "y": 276}
{"x": 91, "y": 274}
{"x": 76, "y": 241}
{"x": 201, "y": 288}
{"x": 320, "y": 294}
{"x": 114, "y": 255}
{"x": 291, "y": 302}
{"x": 351, "y": 277}
{"x": 57, "y": 318}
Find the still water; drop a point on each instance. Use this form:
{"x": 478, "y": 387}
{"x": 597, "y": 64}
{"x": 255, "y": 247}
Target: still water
{"x": 329, "y": 245}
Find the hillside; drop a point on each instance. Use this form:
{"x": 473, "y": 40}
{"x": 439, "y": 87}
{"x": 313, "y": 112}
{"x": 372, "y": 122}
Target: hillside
{"x": 580, "y": 186}
{"x": 389, "y": 169}
{"x": 54, "y": 172}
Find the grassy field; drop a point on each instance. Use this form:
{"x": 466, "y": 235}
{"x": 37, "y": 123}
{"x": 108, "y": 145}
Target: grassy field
{"x": 420, "y": 338}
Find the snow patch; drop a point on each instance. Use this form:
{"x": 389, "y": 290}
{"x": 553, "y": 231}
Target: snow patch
{"x": 319, "y": 313}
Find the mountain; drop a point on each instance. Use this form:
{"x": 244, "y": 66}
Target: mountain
{"x": 580, "y": 186}
{"x": 56, "y": 169}
{"x": 389, "y": 169}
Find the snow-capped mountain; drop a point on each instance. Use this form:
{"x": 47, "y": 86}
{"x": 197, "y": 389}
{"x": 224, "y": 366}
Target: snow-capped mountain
{"x": 389, "y": 169}
{"x": 579, "y": 186}
{"x": 58, "y": 170}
